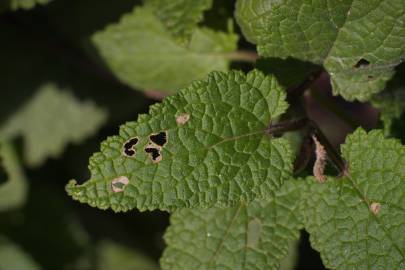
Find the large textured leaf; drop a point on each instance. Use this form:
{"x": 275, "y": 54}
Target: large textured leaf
{"x": 12, "y": 257}
{"x": 217, "y": 151}
{"x": 111, "y": 255}
{"x": 143, "y": 54}
{"x": 359, "y": 42}
{"x": 180, "y": 17}
{"x": 358, "y": 221}
{"x": 50, "y": 120}
{"x": 254, "y": 236}
{"x": 13, "y": 191}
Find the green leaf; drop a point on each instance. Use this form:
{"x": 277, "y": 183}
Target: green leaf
{"x": 180, "y": 17}
{"x": 12, "y": 257}
{"x": 358, "y": 221}
{"x": 22, "y": 4}
{"x": 359, "y": 42}
{"x": 13, "y": 191}
{"x": 391, "y": 101}
{"x": 114, "y": 256}
{"x": 254, "y": 236}
{"x": 143, "y": 54}
{"x": 289, "y": 72}
{"x": 217, "y": 150}
{"x": 50, "y": 120}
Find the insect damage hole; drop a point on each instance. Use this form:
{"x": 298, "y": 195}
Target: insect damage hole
{"x": 182, "y": 118}
{"x": 154, "y": 152}
{"x": 118, "y": 184}
{"x": 129, "y": 147}
{"x": 361, "y": 63}
{"x": 159, "y": 139}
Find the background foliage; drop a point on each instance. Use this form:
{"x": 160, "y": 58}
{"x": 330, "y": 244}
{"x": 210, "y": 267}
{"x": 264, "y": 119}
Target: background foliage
{"x": 74, "y": 71}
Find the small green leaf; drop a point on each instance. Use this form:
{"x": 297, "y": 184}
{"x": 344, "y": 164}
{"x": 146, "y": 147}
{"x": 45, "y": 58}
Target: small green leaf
{"x": 254, "y": 236}
{"x": 358, "y": 221}
{"x": 12, "y": 257}
{"x": 180, "y": 17}
{"x": 13, "y": 191}
{"x": 50, "y": 120}
{"x": 114, "y": 256}
{"x": 359, "y": 42}
{"x": 22, "y": 4}
{"x": 143, "y": 54}
{"x": 213, "y": 149}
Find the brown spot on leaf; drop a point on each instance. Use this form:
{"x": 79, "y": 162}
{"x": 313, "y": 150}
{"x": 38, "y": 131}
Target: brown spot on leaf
{"x": 254, "y": 230}
{"x": 118, "y": 184}
{"x": 320, "y": 162}
{"x": 182, "y": 118}
{"x": 375, "y": 208}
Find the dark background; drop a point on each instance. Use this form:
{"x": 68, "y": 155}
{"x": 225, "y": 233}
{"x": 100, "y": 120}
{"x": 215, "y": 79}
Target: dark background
{"x": 52, "y": 43}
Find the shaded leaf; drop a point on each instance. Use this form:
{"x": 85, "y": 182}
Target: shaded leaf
{"x": 180, "y": 17}
{"x": 217, "y": 150}
{"x": 391, "y": 101}
{"x": 358, "y": 221}
{"x": 12, "y": 257}
{"x": 359, "y": 42}
{"x": 143, "y": 54}
{"x": 13, "y": 191}
{"x": 114, "y": 256}
{"x": 50, "y": 120}
{"x": 22, "y": 4}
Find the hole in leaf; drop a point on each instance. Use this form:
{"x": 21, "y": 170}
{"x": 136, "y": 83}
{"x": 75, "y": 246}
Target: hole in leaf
{"x": 159, "y": 139}
{"x": 154, "y": 153}
{"x": 131, "y": 142}
{"x": 129, "y": 152}
{"x": 362, "y": 63}
{"x": 129, "y": 147}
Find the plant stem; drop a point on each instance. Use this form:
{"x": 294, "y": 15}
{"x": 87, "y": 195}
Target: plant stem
{"x": 242, "y": 56}
{"x": 294, "y": 94}
{"x": 280, "y": 128}
{"x": 332, "y": 107}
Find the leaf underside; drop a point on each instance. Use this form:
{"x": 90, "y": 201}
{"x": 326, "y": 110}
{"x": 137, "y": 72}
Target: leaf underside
{"x": 359, "y": 42}
{"x": 217, "y": 150}
{"x": 254, "y": 236}
{"x": 358, "y": 221}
